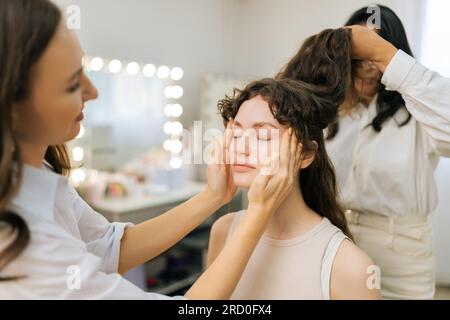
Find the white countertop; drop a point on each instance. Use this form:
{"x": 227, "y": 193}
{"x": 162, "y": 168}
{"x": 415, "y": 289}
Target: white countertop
{"x": 133, "y": 203}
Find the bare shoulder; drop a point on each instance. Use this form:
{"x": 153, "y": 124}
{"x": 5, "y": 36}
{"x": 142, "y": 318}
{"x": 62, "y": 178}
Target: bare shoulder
{"x": 221, "y": 226}
{"x": 218, "y": 236}
{"x": 351, "y": 274}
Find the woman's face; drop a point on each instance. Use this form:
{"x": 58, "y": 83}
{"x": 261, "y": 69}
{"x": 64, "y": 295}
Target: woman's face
{"x": 367, "y": 79}
{"x": 256, "y": 135}
{"x": 52, "y": 112}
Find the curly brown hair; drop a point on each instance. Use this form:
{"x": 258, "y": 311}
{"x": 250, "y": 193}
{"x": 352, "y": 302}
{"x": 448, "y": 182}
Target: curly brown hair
{"x": 308, "y": 105}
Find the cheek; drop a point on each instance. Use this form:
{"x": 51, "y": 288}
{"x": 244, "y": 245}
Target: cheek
{"x": 58, "y": 118}
{"x": 265, "y": 150}
{"x": 61, "y": 118}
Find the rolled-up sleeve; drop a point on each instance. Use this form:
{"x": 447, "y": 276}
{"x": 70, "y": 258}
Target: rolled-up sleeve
{"x": 102, "y": 237}
{"x": 427, "y": 98}
{"x": 63, "y": 269}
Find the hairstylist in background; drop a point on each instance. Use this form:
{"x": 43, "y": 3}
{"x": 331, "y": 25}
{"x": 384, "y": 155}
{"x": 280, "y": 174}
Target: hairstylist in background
{"x": 385, "y": 149}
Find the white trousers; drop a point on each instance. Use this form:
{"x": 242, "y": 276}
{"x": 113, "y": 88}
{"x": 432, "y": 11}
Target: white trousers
{"x": 403, "y": 249}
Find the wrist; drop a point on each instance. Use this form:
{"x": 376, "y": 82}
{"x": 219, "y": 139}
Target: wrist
{"x": 260, "y": 212}
{"x": 384, "y": 55}
{"x": 208, "y": 196}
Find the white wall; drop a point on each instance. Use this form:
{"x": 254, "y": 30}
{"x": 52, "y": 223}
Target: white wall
{"x": 243, "y": 37}
{"x": 266, "y": 33}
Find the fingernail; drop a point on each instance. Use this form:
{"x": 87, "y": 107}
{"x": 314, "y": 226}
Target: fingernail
{"x": 290, "y": 131}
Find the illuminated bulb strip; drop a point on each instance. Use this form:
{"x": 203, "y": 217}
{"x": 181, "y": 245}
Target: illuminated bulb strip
{"x": 172, "y": 128}
{"x": 134, "y": 68}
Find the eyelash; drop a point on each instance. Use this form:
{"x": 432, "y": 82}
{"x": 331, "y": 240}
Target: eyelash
{"x": 75, "y": 87}
{"x": 259, "y": 138}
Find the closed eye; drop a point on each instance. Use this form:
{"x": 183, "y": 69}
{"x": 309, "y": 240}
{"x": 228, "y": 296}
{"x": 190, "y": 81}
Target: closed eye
{"x": 264, "y": 134}
{"x": 74, "y": 87}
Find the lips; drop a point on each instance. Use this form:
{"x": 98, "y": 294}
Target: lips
{"x": 241, "y": 167}
{"x": 80, "y": 117}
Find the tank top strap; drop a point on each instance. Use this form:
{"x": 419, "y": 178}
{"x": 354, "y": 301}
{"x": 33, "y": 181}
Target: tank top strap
{"x": 328, "y": 259}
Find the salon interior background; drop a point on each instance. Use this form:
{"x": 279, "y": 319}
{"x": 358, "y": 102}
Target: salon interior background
{"x": 252, "y": 38}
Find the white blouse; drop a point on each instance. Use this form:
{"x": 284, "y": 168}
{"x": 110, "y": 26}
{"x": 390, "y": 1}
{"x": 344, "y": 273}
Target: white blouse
{"x": 391, "y": 172}
{"x": 73, "y": 252}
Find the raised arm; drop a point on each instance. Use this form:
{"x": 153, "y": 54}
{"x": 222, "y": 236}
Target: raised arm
{"x": 426, "y": 93}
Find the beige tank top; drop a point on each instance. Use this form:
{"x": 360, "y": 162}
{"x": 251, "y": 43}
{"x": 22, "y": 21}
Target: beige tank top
{"x": 293, "y": 269}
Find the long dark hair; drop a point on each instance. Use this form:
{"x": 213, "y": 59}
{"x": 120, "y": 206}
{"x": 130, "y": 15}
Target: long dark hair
{"x": 26, "y": 28}
{"x": 388, "y": 102}
{"x": 308, "y": 106}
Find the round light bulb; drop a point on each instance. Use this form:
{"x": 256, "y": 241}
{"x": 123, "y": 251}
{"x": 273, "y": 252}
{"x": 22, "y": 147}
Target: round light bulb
{"x": 133, "y": 68}
{"x": 176, "y": 110}
{"x": 115, "y": 66}
{"x": 167, "y": 127}
{"x": 176, "y": 128}
{"x": 168, "y": 92}
{"x": 163, "y": 72}
{"x": 78, "y": 175}
{"x": 177, "y": 92}
{"x": 97, "y": 64}
{"x": 149, "y": 70}
{"x": 168, "y": 110}
{"x": 167, "y": 145}
{"x": 176, "y": 146}
{"x": 176, "y": 73}
{"x": 175, "y": 163}
{"x": 77, "y": 153}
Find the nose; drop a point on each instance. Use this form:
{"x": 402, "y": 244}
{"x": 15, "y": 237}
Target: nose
{"x": 90, "y": 92}
{"x": 243, "y": 145}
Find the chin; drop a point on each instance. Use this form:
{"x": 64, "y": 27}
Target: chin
{"x": 243, "y": 180}
{"x": 74, "y": 133}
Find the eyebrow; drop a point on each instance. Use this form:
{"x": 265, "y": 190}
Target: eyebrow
{"x": 257, "y": 124}
{"x": 76, "y": 74}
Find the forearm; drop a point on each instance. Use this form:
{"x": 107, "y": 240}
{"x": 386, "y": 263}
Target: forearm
{"x": 221, "y": 278}
{"x": 368, "y": 45}
{"x": 147, "y": 240}
{"x": 383, "y": 54}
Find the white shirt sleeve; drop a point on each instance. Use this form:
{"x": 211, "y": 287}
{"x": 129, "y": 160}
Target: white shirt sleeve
{"x": 102, "y": 237}
{"x": 62, "y": 269}
{"x": 427, "y": 97}
{"x": 73, "y": 251}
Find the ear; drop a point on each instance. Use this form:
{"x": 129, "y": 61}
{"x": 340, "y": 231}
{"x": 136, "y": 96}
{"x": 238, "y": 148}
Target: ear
{"x": 308, "y": 157}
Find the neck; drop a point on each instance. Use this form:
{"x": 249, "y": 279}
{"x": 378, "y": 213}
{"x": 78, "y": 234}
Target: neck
{"x": 367, "y": 100}
{"x": 32, "y": 155}
{"x": 293, "y": 217}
